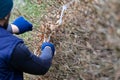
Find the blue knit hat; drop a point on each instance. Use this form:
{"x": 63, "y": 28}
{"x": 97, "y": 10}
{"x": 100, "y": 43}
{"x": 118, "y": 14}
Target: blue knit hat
{"x": 5, "y": 8}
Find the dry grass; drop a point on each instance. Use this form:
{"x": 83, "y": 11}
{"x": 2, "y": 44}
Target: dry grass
{"x": 87, "y": 43}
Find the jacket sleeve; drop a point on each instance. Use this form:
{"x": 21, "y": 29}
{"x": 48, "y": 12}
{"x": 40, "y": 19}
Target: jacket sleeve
{"x": 9, "y": 28}
{"x": 23, "y": 60}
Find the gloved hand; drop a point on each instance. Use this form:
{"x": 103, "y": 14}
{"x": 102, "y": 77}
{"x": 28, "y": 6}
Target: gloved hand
{"x": 22, "y": 24}
{"x": 48, "y": 44}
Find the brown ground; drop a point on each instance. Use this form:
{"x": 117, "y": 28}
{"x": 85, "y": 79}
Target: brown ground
{"x": 87, "y": 43}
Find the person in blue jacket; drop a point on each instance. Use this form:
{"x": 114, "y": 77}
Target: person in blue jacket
{"x": 15, "y": 57}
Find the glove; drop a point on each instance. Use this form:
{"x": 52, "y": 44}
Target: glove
{"x": 22, "y": 24}
{"x": 48, "y": 44}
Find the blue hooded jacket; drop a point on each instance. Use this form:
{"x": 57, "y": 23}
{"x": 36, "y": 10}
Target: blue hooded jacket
{"x": 7, "y": 45}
